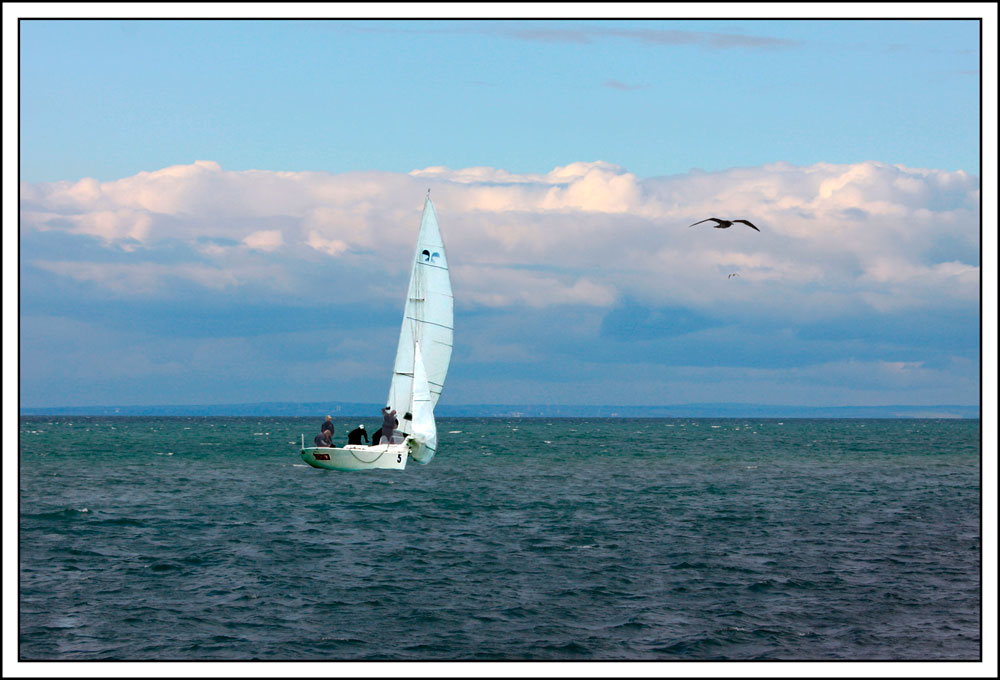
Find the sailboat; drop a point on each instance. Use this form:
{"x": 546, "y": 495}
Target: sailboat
{"x": 422, "y": 358}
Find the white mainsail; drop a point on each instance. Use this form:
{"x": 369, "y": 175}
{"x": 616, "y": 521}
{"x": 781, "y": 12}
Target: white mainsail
{"x": 428, "y": 320}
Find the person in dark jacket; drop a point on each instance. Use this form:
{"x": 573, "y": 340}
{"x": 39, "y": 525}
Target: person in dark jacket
{"x": 377, "y": 437}
{"x": 388, "y": 423}
{"x": 327, "y": 425}
{"x": 355, "y": 435}
{"x": 324, "y": 439}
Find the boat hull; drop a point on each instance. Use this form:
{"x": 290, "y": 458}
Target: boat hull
{"x": 351, "y": 457}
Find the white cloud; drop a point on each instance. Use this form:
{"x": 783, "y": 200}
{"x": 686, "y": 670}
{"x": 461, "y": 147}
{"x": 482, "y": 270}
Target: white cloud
{"x": 140, "y": 279}
{"x": 267, "y": 240}
{"x": 500, "y": 287}
{"x": 487, "y": 175}
{"x": 109, "y": 225}
{"x": 152, "y": 279}
{"x": 586, "y": 233}
{"x": 332, "y": 247}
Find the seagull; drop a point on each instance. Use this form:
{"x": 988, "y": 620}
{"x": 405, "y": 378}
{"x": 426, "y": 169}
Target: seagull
{"x": 732, "y": 275}
{"x": 725, "y": 224}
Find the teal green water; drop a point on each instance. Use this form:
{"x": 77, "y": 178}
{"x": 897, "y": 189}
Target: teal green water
{"x": 682, "y": 539}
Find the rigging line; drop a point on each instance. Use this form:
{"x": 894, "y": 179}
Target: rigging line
{"x": 435, "y": 292}
{"x": 410, "y": 375}
{"x": 367, "y": 462}
{"x": 439, "y": 325}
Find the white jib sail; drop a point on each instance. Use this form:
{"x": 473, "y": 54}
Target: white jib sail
{"x": 428, "y": 319}
{"x": 424, "y": 427}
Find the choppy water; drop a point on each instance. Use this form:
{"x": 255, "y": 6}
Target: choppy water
{"x": 207, "y": 538}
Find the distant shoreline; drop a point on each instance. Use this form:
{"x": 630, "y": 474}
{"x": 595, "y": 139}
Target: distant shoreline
{"x": 355, "y": 410}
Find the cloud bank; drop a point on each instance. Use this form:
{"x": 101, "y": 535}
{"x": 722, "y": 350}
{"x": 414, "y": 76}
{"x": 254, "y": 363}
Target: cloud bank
{"x": 833, "y": 238}
{"x": 584, "y": 284}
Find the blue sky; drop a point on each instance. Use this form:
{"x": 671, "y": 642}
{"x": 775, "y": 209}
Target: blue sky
{"x": 223, "y": 211}
{"x": 108, "y": 99}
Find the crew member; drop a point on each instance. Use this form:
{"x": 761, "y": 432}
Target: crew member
{"x": 355, "y": 435}
{"x": 388, "y": 423}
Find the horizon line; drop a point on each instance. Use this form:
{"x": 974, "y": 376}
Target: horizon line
{"x": 519, "y": 410}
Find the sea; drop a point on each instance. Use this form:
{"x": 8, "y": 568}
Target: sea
{"x": 533, "y": 539}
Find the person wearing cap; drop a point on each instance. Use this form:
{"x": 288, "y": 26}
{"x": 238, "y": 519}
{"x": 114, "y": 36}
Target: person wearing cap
{"x": 355, "y": 435}
{"x": 388, "y": 423}
{"x": 327, "y": 425}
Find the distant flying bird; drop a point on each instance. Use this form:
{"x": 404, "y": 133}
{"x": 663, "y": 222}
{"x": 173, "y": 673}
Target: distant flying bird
{"x": 725, "y": 224}
{"x": 732, "y": 275}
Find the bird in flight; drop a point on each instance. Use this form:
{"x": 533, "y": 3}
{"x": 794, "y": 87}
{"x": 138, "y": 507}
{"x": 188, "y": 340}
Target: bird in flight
{"x": 732, "y": 275}
{"x": 725, "y": 224}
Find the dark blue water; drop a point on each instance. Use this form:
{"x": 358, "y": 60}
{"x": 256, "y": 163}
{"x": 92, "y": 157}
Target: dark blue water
{"x": 207, "y": 538}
